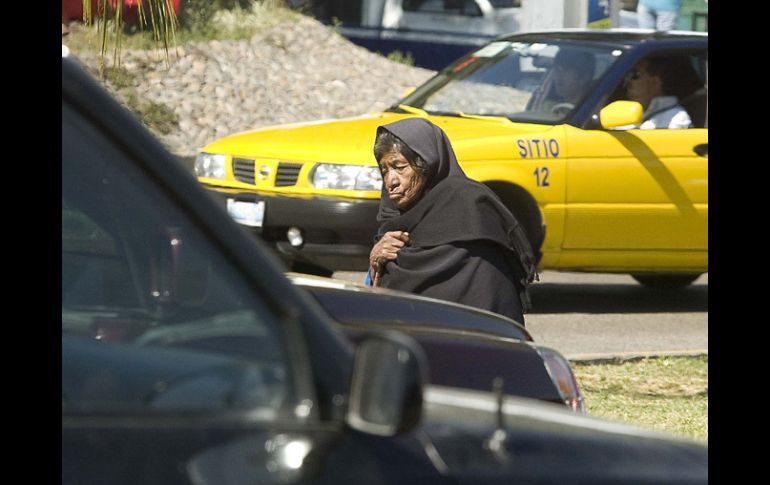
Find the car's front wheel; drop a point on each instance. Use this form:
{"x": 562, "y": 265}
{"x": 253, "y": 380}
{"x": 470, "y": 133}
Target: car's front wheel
{"x": 666, "y": 281}
{"x": 524, "y": 208}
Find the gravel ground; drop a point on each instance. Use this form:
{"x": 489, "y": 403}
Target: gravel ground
{"x": 296, "y": 71}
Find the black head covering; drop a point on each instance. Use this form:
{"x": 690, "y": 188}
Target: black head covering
{"x": 452, "y": 210}
{"x": 430, "y": 142}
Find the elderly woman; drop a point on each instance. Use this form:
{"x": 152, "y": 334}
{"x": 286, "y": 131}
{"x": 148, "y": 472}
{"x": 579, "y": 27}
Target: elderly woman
{"x": 442, "y": 234}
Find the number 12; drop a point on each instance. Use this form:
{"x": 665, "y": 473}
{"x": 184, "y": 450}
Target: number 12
{"x": 544, "y": 172}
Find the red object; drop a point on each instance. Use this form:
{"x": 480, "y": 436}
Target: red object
{"x": 73, "y": 9}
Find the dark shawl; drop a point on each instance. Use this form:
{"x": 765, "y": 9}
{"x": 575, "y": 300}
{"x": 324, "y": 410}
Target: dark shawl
{"x": 466, "y": 246}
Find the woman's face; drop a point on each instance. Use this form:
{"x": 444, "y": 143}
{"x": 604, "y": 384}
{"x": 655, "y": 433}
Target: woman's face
{"x": 403, "y": 183}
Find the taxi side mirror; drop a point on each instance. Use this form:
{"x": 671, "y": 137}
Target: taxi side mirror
{"x": 621, "y": 115}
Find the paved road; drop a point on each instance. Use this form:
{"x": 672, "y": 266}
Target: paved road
{"x": 589, "y": 315}
{"x": 595, "y": 316}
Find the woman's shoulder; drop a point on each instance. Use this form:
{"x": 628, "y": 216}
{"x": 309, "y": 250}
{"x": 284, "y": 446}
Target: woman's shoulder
{"x": 467, "y": 184}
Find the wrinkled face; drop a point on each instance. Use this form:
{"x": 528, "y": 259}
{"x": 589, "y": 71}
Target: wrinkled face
{"x": 403, "y": 183}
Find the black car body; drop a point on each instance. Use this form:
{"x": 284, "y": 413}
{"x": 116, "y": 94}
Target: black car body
{"x": 466, "y": 347}
{"x": 188, "y": 357}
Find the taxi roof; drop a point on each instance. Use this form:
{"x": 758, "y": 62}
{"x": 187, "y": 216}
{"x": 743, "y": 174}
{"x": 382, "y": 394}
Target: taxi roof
{"x": 623, "y": 36}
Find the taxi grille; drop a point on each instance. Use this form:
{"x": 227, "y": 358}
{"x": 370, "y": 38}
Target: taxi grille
{"x": 243, "y": 170}
{"x": 287, "y": 174}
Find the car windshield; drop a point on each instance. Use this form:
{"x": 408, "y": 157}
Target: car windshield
{"x": 154, "y": 317}
{"x": 541, "y": 82}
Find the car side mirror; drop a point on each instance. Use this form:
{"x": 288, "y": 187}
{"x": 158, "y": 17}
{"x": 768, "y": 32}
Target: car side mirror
{"x": 389, "y": 373}
{"x": 621, "y": 115}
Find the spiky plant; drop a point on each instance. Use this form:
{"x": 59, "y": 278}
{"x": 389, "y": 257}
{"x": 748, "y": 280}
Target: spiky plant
{"x": 159, "y": 15}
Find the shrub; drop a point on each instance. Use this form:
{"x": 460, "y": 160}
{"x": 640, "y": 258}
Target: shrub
{"x": 197, "y": 13}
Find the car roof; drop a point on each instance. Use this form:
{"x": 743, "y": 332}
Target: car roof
{"x": 618, "y": 36}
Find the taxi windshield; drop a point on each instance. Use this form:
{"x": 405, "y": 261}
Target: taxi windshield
{"x": 522, "y": 81}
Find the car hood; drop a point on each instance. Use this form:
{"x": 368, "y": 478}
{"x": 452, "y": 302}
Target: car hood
{"x": 350, "y": 140}
{"x": 544, "y": 443}
{"x": 388, "y": 306}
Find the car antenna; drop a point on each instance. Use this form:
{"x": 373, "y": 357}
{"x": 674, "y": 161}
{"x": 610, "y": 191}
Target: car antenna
{"x": 495, "y": 442}
{"x": 497, "y": 388}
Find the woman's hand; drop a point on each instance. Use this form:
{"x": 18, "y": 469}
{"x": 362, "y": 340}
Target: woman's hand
{"x": 385, "y": 250}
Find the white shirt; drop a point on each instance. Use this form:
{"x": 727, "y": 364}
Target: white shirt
{"x": 665, "y": 112}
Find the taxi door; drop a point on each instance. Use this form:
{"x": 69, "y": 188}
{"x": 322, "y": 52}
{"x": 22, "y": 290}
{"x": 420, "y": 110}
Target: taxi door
{"x": 637, "y": 190}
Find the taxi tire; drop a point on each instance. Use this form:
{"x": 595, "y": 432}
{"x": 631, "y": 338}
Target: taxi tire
{"x": 524, "y": 208}
{"x": 306, "y": 267}
{"x": 666, "y": 281}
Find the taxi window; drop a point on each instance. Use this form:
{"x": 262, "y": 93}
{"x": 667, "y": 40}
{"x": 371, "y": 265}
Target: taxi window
{"x": 681, "y": 74}
{"x": 539, "y": 82}
{"x": 154, "y": 319}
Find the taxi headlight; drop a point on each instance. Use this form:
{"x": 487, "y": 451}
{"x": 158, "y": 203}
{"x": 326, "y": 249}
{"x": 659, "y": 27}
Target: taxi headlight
{"x": 210, "y": 165}
{"x": 346, "y": 177}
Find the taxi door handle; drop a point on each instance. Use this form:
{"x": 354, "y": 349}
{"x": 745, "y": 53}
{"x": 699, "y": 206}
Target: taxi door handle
{"x": 702, "y": 149}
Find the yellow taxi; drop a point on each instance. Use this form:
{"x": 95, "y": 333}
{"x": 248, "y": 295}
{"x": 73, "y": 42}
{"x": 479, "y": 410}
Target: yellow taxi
{"x": 596, "y": 187}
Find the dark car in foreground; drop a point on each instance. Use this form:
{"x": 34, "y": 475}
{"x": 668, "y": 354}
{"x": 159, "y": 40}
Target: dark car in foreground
{"x": 188, "y": 357}
{"x": 466, "y": 347}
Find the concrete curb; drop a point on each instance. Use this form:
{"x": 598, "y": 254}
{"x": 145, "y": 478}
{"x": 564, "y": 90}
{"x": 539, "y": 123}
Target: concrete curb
{"x": 620, "y": 357}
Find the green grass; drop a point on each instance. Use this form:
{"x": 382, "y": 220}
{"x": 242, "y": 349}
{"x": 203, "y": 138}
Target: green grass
{"x": 158, "y": 116}
{"x": 663, "y": 393}
{"x": 401, "y": 58}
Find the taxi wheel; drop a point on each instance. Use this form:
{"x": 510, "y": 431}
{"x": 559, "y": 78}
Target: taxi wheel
{"x": 310, "y": 268}
{"x": 525, "y": 210}
{"x": 665, "y": 281}
{"x": 535, "y": 233}
{"x": 533, "y": 227}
